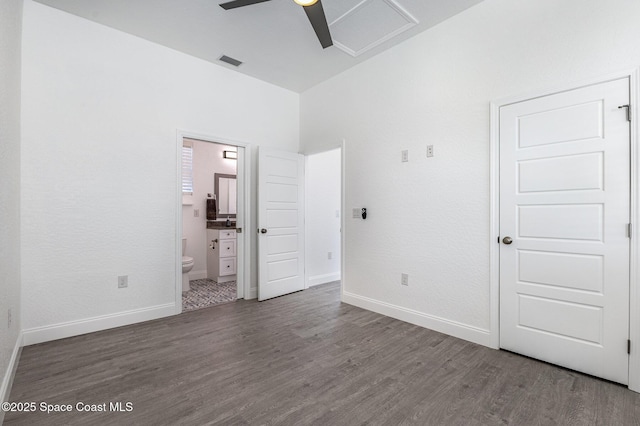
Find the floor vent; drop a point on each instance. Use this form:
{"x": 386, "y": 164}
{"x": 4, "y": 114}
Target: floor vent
{"x": 229, "y": 60}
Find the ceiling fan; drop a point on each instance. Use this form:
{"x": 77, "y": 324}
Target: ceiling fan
{"x": 314, "y": 11}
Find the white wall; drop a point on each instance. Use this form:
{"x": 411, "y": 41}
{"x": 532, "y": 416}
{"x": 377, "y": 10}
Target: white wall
{"x": 430, "y": 217}
{"x": 10, "y": 60}
{"x": 322, "y": 219}
{"x": 207, "y": 161}
{"x": 100, "y": 114}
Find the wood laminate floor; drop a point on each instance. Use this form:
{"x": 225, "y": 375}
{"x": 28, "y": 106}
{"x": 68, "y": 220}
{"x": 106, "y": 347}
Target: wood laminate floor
{"x": 303, "y": 359}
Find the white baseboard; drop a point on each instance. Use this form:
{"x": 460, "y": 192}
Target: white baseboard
{"x": 7, "y": 381}
{"x": 253, "y": 293}
{"x": 323, "y": 279}
{"x": 197, "y": 275}
{"x": 452, "y": 328}
{"x": 47, "y": 333}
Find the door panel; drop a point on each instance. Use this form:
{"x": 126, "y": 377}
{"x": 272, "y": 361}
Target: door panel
{"x": 568, "y": 270}
{"x": 565, "y": 201}
{"x": 550, "y": 174}
{"x": 281, "y": 215}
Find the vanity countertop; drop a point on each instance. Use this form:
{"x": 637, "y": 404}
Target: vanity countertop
{"x": 220, "y": 225}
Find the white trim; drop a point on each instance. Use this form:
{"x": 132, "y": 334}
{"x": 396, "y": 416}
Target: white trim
{"x": 442, "y": 325}
{"x": 634, "y": 282}
{"x": 306, "y": 226}
{"x": 322, "y": 279}
{"x": 244, "y": 167}
{"x": 63, "y": 330}
{"x": 494, "y": 228}
{"x": 343, "y": 228}
{"x": 10, "y": 373}
{"x": 634, "y": 293}
{"x": 253, "y": 293}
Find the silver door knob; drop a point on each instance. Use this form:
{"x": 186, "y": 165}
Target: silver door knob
{"x": 263, "y": 231}
{"x": 507, "y": 240}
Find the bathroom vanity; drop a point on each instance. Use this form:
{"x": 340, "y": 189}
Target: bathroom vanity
{"x": 221, "y": 254}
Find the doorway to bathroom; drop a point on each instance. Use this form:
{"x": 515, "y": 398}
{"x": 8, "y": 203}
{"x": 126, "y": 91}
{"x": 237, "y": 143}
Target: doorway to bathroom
{"x": 213, "y": 193}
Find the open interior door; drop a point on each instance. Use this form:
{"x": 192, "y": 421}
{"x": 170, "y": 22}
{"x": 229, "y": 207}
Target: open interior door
{"x": 280, "y": 223}
{"x": 564, "y": 215}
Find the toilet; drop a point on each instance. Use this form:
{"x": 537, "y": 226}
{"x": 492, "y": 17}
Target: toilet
{"x": 187, "y": 264}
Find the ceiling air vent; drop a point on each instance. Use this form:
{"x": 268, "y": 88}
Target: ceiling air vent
{"x": 230, "y": 60}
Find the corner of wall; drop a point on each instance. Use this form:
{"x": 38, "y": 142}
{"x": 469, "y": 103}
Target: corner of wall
{"x": 7, "y": 381}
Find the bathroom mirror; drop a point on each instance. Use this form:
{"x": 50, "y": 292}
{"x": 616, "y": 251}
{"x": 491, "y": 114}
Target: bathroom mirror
{"x": 225, "y": 190}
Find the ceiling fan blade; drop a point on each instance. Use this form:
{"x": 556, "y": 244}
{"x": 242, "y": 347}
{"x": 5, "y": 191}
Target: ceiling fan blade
{"x": 315, "y": 13}
{"x": 239, "y": 3}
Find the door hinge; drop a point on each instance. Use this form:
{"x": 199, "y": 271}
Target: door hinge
{"x": 628, "y": 107}
{"x": 629, "y": 346}
{"x": 629, "y": 230}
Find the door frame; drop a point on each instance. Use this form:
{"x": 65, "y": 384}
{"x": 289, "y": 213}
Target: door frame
{"x": 244, "y": 169}
{"x": 306, "y": 209}
{"x": 634, "y": 261}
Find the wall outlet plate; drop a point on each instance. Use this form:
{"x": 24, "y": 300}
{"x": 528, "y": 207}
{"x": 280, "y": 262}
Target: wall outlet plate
{"x": 9, "y": 319}
{"x": 405, "y": 155}
{"x": 123, "y": 281}
{"x": 429, "y": 150}
{"x": 404, "y": 279}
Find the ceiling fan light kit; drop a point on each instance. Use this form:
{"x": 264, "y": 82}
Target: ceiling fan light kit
{"x": 313, "y": 9}
{"x": 305, "y": 2}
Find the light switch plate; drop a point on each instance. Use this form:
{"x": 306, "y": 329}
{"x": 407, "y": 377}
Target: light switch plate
{"x": 356, "y": 213}
{"x": 123, "y": 281}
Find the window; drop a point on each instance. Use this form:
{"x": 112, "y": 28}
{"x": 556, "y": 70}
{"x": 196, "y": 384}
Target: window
{"x": 187, "y": 169}
{"x": 187, "y": 173}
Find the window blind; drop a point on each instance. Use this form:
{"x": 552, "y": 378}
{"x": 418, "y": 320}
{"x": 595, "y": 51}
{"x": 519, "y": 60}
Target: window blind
{"x": 187, "y": 170}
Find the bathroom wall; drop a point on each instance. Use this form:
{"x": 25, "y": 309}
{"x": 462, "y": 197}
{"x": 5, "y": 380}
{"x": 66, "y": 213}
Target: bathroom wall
{"x": 207, "y": 160}
{"x": 10, "y": 63}
{"x": 429, "y": 217}
{"x": 101, "y": 110}
{"x": 322, "y": 219}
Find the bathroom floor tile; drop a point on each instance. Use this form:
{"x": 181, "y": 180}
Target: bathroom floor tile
{"x": 207, "y": 292}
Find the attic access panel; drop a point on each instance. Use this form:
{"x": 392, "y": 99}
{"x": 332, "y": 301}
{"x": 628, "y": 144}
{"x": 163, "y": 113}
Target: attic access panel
{"x": 368, "y": 24}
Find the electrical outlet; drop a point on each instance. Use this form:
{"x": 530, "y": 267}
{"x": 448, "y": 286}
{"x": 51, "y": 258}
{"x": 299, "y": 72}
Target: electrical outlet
{"x": 356, "y": 213}
{"x": 329, "y": 255}
{"x": 405, "y": 155}
{"x": 123, "y": 281}
{"x": 196, "y": 213}
{"x": 404, "y": 280}
{"x": 9, "y": 319}
{"x": 429, "y": 150}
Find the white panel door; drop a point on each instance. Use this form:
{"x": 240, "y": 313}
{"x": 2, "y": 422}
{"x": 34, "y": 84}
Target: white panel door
{"x": 280, "y": 223}
{"x": 564, "y": 203}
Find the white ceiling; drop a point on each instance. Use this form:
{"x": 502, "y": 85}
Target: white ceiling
{"x": 274, "y": 39}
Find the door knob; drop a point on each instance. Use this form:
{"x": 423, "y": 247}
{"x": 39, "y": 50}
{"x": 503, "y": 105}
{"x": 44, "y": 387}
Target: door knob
{"x": 507, "y": 240}
{"x": 263, "y": 231}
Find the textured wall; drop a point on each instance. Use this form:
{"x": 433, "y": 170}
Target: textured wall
{"x": 430, "y": 217}
{"x": 100, "y": 113}
{"x": 322, "y": 185}
{"x": 10, "y": 35}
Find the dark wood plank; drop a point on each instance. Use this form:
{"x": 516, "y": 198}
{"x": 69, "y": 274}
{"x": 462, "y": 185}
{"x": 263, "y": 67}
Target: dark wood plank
{"x": 304, "y": 359}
